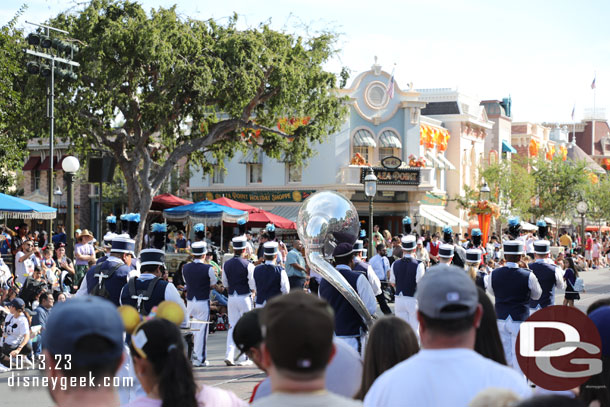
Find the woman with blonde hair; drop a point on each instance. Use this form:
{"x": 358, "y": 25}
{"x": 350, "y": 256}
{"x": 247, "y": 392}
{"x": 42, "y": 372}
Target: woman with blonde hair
{"x": 473, "y": 261}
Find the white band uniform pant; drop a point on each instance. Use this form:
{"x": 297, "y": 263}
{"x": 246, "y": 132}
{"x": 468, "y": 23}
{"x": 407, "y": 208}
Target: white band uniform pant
{"x": 406, "y": 308}
{"x": 509, "y": 330}
{"x": 237, "y": 306}
{"x": 199, "y": 309}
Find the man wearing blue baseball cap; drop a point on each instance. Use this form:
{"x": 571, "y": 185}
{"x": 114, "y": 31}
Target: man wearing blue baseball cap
{"x": 83, "y": 344}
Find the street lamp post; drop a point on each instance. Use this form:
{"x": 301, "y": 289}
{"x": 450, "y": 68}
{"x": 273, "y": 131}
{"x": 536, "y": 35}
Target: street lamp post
{"x": 58, "y": 194}
{"x": 55, "y": 59}
{"x": 484, "y": 192}
{"x": 70, "y": 165}
{"x": 370, "y": 190}
{"x": 582, "y": 209}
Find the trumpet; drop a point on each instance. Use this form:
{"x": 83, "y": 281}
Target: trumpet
{"x": 325, "y": 219}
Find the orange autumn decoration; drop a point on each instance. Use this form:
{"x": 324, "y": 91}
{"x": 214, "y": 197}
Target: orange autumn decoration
{"x": 251, "y": 136}
{"x": 563, "y": 151}
{"x": 550, "y": 152}
{"x": 484, "y": 211}
{"x": 606, "y": 163}
{"x": 431, "y": 137}
{"x": 534, "y": 148}
{"x": 416, "y": 162}
{"x": 358, "y": 159}
{"x": 289, "y": 125}
{"x": 593, "y": 177}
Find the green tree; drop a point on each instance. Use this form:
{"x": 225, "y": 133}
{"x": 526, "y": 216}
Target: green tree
{"x": 512, "y": 186}
{"x": 183, "y": 87}
{"x": 12, "y": 140}
{"x": 559, "y": 187}
{"x": 597, "y": 196}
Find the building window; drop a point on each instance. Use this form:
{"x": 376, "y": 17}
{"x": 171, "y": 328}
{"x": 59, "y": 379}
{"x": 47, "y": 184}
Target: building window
{"x": 385, "y": 152}
{"x": 35, "y": 180}
{"x": 362, "y": 143}
{"x": 255, "y": 173}
{"x": 219, "y": 175}
{"x": 295, "y": 173}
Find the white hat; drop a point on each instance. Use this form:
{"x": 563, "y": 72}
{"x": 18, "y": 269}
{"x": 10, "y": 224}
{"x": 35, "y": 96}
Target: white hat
{"x": 199, "y": 248}
{"x": 408, "y": 242}
{"x": 446, "y": 251}
{"x": 239, "y": 242}
{"x": 270, "y": 248}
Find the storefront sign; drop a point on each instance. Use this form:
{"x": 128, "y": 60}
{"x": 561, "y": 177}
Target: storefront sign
{"x": 254, "y": 196}
{"x": 434, "y": 200}
{"x": 397, "y": 176}
{"x": 391, "y": 162}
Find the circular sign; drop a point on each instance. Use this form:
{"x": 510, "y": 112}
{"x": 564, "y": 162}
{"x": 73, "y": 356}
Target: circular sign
{"x": 559, "y": 348}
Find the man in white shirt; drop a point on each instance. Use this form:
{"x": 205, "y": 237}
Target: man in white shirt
{"x": 446, "y": 371}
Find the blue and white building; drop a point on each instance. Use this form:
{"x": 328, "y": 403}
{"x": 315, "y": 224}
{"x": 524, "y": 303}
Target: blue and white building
{"x": 378, "y": 126}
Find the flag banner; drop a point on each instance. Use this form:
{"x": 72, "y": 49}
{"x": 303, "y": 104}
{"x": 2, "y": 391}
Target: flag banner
{"x": 390, "y": 88}
{"x": 593, "y": 83}
{"x": 573, "y": 110}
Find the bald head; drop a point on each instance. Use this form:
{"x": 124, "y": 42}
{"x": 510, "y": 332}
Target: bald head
{"x": 298, "y": 245}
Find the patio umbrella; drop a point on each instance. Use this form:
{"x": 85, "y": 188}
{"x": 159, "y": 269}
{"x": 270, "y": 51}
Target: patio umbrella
{"x": 205, "y": 212}
{"x": 165, "y": 201}
{"x": 18, "y": 208}
{"x": 258, "y": 217}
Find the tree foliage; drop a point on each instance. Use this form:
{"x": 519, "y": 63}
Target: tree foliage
{"x": 559, "y": 187}
{"x": 181, "y": 88}
{"x": 12, "y": 67}
{"x": 512, "y": 186}
{"x": 597, "y": 196}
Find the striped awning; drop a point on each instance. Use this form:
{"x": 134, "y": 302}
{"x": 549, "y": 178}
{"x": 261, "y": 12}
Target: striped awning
{"x": 389, "y": 139}
{"x": 364, "y": 138}
{"x": 252, "y": 157}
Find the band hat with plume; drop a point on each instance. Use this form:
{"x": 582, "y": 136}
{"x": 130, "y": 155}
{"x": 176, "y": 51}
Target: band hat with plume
{"x": 159, "y": 228}
{"x": 406, "y": 220}
{"x": 199, "y": 227}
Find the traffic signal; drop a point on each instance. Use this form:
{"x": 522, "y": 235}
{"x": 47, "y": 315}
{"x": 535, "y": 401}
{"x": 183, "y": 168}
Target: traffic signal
{"x": 45, "y": 70}
{"x": 64, "y": 47}
{"x": 45, "y": 42}
{"x": 66, "y": 74}
{"x": 33, "y": 68}
{"x": 34, "y": 39}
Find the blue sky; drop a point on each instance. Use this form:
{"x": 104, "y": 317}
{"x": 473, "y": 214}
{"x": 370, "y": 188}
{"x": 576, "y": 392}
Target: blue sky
{"x": 544, "y": 54}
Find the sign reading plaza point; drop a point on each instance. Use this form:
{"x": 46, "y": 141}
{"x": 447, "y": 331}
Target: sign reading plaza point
{"x": 397, "y": 176}
{"x": 559, "y": 348}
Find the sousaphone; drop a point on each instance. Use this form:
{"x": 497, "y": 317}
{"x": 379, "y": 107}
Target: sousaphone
{"x": 325, "y": 219}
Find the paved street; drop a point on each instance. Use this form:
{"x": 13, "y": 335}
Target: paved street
{"x": 241, "y": 380}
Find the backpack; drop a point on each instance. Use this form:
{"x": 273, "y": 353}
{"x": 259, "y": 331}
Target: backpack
{"x": 579, "y": 285}
{"x": 141, "y": 296}
{"x": 100, "y": 286}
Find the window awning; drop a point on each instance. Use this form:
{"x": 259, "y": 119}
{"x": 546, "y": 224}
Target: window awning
{"x": 446, "y": 161}
{"x": 364, "y": 138}
{"x": 252, "y": 157}
{"x": 507, "y": 148}
{"x": 389, "y": 139}
{"x": 32, "y": 164}
{"x": 441, "y": 215}
{"x": 288, "y": 212}
{"x": 437, "y": 163}
{"x": 46, "y": 164}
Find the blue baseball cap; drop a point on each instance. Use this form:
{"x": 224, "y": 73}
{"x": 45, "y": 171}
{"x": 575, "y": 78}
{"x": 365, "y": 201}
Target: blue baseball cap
{"x": 77, "y": 318}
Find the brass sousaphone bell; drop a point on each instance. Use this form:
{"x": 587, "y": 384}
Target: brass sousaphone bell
{"x": 325, "y": 219}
